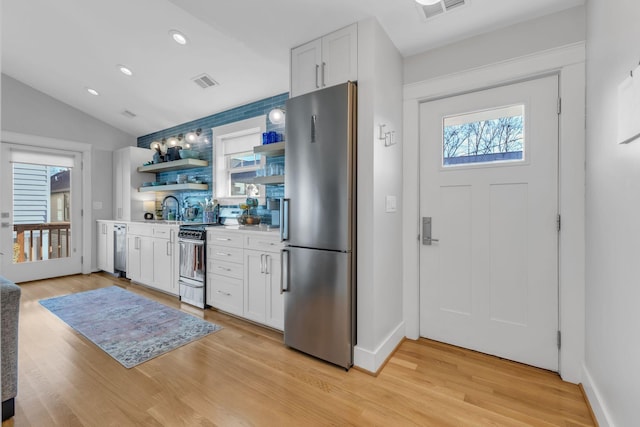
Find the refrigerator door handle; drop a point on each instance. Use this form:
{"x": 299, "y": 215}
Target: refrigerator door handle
{"x": 284, "y": 268}
{"x": 284, "y": 220}
{"x": 313, "y": 128}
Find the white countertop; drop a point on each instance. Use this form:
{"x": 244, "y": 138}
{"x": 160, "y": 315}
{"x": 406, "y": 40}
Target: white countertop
{"x": 249, "y": 228}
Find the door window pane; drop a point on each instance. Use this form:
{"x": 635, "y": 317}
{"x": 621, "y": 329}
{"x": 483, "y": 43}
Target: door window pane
{"x": 495, "y": 135}
{"x": 41, "y": 212}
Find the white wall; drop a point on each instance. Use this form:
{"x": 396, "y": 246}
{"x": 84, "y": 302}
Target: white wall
{"x": 379, "y": 301}
{"x": 612, "y": 367}
{"x": 568, "y": 62}
{"x": 536, "y": 35}
{"x": 30, "y": 112}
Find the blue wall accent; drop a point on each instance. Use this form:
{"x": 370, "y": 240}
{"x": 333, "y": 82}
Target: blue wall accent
{"x": 205, "y": 149}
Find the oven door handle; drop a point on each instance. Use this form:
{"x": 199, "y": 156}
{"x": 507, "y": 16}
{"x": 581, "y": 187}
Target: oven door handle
{"x": 191, "y": 242}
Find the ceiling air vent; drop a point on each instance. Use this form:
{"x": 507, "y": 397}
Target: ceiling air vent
{"x": 129, "y": 114}
{"x": 205, "y": 81}
{"x": 443, "y": 6}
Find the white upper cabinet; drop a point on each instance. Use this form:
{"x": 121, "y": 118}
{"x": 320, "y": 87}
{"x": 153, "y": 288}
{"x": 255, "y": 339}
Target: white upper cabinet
{"x": 305, "y": 67}
{"x": 324, "y": 62}
{"x": 128, "y": 202}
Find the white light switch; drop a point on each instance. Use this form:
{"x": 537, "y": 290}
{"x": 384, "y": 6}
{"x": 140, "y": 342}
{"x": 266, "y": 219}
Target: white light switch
{"x": 390, "y": 204}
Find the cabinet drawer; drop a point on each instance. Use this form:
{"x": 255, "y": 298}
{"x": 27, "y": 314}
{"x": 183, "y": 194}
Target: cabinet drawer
{"x": 225, "y": 293}
{"x": 263, "y": 243}
{"x": 162, "y": 232}
{"x": 222, "y": 238}
{"x": 224, "y": 268}
{"x": 224, "y": 253}
{"x": 140, "y": 229}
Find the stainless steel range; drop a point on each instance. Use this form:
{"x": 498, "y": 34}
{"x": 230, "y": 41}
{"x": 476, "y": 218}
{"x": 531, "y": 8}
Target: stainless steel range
{"x": 192, "y": 240}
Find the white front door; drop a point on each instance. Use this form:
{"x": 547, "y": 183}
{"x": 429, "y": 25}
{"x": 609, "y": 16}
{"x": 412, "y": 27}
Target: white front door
{"x": 489, "y": 191}
{"x": 41, "y": 227}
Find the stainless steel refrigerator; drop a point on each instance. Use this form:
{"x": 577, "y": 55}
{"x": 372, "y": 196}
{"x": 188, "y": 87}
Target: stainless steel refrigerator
{"x": 318, "y": 224}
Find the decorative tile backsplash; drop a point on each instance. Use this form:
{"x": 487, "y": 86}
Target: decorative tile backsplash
{"x": 205, "y": 150}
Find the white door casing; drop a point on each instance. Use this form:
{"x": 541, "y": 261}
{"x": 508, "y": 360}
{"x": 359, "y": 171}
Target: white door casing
{"x": 491, "y": 282}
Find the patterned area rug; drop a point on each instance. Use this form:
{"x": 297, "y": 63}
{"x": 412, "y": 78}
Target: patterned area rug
{"x": 130, "y": 328}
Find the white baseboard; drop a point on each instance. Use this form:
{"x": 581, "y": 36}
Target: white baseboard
{"x": 595, "y": 399}
{"x": 372, "y": 360}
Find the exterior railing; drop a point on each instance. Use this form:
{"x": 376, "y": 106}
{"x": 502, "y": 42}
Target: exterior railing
{"x": 30, "y": 240}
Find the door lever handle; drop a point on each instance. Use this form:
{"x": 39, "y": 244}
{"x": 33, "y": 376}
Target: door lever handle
{"x": 426, "y": 231}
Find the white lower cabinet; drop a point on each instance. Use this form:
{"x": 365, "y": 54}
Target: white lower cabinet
{"x": 243, "y": 275}
{"x": 104, "y": 246}
{"x": 263, "y": 302}
{"x": 152, "y": 256}
{"x": 224, "y": 271}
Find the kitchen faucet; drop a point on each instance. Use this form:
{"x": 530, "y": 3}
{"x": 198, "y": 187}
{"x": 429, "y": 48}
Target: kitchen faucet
{"x": 165, "y": 212}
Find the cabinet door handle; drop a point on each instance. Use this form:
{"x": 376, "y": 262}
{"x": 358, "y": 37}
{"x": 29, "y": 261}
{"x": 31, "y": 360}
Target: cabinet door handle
{"x": 317, "y": 69}
{"x": 266, "y": 263}
{"x": 137, "y": 244}
{"x": 261, "y": 263}
{"x": 227, "y": 294}
{"x": 223, "y": 254}
{"x": 223, "y": 268}
{"x": 324, "y": 66}
{"x": 223, "y": 239}
{"x": 169, "y": 248}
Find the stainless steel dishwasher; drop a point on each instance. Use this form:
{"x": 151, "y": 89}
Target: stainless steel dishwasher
{"x": 120, "y": 249}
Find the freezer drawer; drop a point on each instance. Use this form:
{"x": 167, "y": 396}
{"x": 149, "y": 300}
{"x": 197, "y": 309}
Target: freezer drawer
{"x": 319, "y": 304}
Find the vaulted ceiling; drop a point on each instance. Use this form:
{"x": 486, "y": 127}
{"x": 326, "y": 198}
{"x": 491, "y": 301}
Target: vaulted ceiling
{"x": 63, "y": 47}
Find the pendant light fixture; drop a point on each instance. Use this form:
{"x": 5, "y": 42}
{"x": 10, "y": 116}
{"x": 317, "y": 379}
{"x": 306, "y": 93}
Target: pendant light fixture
{"x": 276, "y": 116}
{"x": 428, "y": 2}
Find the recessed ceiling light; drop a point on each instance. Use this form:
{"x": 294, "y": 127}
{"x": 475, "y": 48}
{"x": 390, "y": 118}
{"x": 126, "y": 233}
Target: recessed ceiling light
{"x": 427, "y": 2}
{"x": 178, "y": 37}
{"x": 92, "y": 91}
{"x": 124, "y": 70}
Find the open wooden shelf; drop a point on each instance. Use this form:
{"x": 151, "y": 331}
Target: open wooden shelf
{"x": 275, "y": 149}
{"x": 174, "y": 187}
{"x": 274, "y": 179}
{"x": 174, "y": 165}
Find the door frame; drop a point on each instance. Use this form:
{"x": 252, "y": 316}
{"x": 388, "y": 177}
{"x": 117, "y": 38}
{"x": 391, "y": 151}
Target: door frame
{"x": 569, "y": 63}
{"x": 86, "y": 151}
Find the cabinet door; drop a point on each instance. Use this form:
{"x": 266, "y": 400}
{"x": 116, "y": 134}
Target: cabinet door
{"x": 109, "y": 255}
{"x": 305, "y": 67}
{"x": 147, "y": 263}
{"x": 133, "y": 258}
{"x": 254, "y": 286}
{"x": 339, "y": 57}
{"x": 105, "y": 247}
{"x": 163, "y": 264}
{"x": 274, "y": 309}
{"x": 101, "y": 246}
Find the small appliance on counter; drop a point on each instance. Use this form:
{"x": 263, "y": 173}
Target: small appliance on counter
{"x": 229, "y": 216}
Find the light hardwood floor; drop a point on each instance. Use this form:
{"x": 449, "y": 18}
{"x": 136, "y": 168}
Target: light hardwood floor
{"x": 244, "y": 376}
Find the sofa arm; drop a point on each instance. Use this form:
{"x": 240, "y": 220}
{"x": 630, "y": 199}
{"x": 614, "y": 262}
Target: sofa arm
{"x": 9, "y": 313}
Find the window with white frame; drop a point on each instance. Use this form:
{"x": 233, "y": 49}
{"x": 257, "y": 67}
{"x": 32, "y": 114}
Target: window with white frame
{"x": 235, "y": 162}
